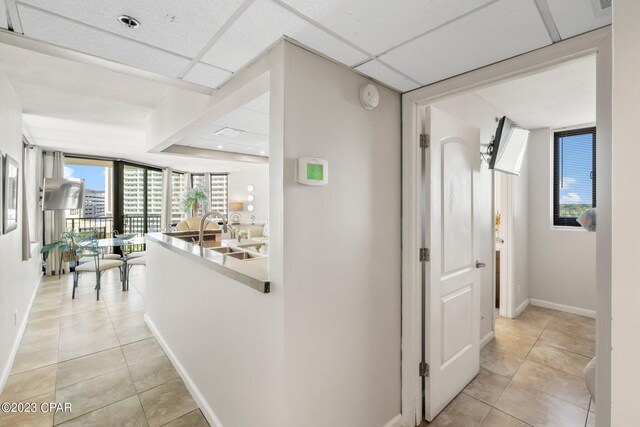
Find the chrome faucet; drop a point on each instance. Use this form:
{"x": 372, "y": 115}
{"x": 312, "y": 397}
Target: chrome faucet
{"x": 202, "y": 222}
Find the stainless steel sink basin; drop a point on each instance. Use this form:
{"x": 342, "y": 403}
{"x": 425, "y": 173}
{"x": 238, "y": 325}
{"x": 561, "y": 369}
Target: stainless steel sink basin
{"x": 225, "y": 250}
{"x": 244, "y": 255}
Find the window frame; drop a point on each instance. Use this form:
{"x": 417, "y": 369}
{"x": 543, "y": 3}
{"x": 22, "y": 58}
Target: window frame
{"x": 560, "y": 221}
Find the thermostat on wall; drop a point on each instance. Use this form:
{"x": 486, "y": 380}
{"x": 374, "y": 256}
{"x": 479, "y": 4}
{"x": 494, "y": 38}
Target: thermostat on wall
{"x": 312, "y": 171}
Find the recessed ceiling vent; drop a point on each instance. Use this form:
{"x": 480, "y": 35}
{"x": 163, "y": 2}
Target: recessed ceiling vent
{"x": 129, "y": 21}
{"x": 229, "y": 132}
{"x": 601, "y": 8}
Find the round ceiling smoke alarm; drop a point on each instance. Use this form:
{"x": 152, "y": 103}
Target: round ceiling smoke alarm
{"x": 128, "y": 21}
{"x": 369, "y": 96}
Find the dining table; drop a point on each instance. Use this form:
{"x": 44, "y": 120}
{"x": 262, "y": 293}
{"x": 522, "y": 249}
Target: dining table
{"x": 124, "y": 244}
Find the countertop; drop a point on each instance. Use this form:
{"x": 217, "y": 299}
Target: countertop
{"x": 253, "y": 273}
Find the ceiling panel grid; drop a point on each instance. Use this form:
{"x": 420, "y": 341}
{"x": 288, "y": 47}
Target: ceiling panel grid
{"x": 404, "y": 43}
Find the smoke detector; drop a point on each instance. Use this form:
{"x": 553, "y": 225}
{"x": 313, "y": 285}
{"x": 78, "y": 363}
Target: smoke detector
{"x": 129, "y": 21}
{"x": 369, "y": 96}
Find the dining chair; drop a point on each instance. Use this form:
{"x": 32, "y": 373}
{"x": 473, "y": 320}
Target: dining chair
{"x": 131, "y": 262}
{"x": 84, "y": 247}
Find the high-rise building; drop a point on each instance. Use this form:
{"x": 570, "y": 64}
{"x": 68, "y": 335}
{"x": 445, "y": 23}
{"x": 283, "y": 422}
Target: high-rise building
{"x": 94, "y": 205}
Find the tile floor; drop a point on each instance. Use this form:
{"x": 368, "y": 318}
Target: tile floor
{"x": 530, "y": 375}
{"x": 99, "y": 356}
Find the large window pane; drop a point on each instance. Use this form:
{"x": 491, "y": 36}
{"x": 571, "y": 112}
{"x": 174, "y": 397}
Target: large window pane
{"x": 133, "y": 199}
{"x": 142, "y": 199}
{"x": 574, "y": 174}
{"x": 178, "y": 187}
{"x": 154, "y": 200}
{"x": 97, "y": 212}
{"x": 220, "y": 193}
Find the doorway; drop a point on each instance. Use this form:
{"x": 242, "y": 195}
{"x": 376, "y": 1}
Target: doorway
{"x": 414, "y": 202}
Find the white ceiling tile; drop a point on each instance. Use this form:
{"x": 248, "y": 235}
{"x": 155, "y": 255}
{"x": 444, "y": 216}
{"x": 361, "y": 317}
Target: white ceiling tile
{"x": 183, "y": 27}
{"x": 246, "y": 120}
{"x": 496, "y": 32}
{"x": 228, "y": 147}
{"x": 3, "y": 15}
{"x": 260, "y": 104}
{"x": 377, "y": 26}
{"x": 560, "y": 97}
{"x": 207, "y": 75}
{"x": 71, "y": 35}
{"x": 381, "y": 72}
{"x": 262, "y": 24}
{"x": 573, "y": 17}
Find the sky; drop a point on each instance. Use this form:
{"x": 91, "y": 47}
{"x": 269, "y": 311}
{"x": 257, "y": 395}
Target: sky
{"x": 576, "y": 168}
{"x": 93, "y": 176}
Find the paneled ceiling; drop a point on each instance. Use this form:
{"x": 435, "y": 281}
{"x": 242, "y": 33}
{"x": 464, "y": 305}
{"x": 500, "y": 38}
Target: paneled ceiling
{"x": 244, "y": 130}
{"x": 404, "y": 44}
{"x": 560, "y": 97}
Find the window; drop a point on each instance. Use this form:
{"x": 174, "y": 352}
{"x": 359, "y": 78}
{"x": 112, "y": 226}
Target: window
{"x": 97, "y": 212}
{"x": 141, "y": 199}
{"x": 220, "y": 193}
{"x": 179, "y": 185}
{"x": 574, "y": 174}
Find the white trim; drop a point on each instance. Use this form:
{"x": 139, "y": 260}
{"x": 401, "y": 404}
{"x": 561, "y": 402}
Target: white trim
{"x": 521, "y": 308}
{"x": 394, "y": 422}
{"x": 208, "y": 413}
{"x": 16, "y": 343}
{"x": 520, "y": 66}
{"x": 562, "y": 307}
{"x": 487, "y": 339}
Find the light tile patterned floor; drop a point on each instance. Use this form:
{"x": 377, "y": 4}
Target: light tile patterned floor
{"x": 101, "y": 357}
{"x": 97, "y": 355}
{"x": 530, "y": 375}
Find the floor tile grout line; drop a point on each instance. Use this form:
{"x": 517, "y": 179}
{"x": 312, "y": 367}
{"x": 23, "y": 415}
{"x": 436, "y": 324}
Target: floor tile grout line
{"x": 540, "y": 391}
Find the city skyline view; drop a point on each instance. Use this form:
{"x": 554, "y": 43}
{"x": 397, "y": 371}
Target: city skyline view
{"x": 93, "y": 176}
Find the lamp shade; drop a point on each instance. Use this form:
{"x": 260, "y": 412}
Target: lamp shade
{"x": 236, "y": 206}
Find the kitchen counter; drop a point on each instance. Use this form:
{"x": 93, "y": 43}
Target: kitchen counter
{"x": 253, "y": 272}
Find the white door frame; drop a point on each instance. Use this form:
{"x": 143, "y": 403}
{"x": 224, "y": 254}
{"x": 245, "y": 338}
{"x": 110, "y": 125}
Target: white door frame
{"x": 517, "y": 67}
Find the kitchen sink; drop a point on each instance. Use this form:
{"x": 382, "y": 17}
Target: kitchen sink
{"x": 244, "y": 255}
{"x": 225, "y": 250}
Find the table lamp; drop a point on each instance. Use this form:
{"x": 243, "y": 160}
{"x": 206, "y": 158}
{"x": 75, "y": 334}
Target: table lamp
{"x": 235, "y": 217}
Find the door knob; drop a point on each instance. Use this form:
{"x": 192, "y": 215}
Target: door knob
{"x": 480, "y": 264}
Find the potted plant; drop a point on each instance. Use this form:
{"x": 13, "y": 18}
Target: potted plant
{"x": 192, "y": 200}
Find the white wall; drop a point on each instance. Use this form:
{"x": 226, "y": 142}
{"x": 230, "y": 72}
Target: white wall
{"x": 342, "y": 266}
{"x": 221, "y": 333}
{"x": 625, "y": 227}
{"x": 238, "y": 183}
{"x": 562, "y": 268}
{"x": 18, "y": 279}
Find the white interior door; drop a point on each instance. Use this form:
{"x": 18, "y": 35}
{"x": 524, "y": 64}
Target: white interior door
{"x": 451, "y": 276}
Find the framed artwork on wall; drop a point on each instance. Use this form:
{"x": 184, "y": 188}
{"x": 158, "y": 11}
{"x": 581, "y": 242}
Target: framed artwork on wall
{"x": 10, "y": 196}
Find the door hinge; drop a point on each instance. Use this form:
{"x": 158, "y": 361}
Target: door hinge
{"x": 425, "y": 255}
{"x": 424, "y": 140}
{"x": 424, "y": 369}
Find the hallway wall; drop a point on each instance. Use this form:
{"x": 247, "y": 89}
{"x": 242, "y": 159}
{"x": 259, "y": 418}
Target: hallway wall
{"x": 18, "y": 279}
{"x": 562, "y": 267}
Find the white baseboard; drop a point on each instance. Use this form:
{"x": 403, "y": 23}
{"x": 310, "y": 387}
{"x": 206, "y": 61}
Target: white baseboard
{"x": 521, "y": 308}
{"x": 16, "y": 343}
{"x": 208, "y": 413}
{"x": 562, "y": 307}
{"x": 487, "y": 339}
{"x": 395, "y": 421}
